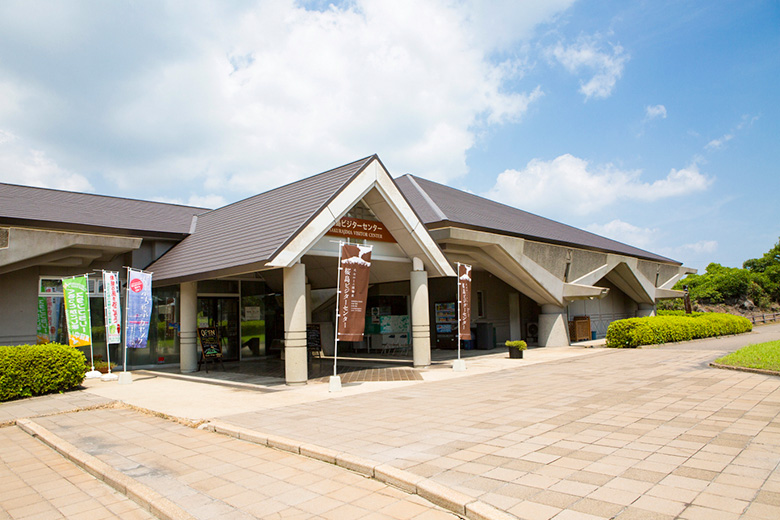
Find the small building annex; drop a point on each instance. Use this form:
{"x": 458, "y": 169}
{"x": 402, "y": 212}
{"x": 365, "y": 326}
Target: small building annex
{"x": 264, "y": 270}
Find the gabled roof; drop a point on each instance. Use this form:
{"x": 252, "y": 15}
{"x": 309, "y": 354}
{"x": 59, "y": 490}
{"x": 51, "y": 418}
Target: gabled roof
{"x": 250, "y": 231}
{"x": 42, "y": 207}
{"x": 438, "y": 206}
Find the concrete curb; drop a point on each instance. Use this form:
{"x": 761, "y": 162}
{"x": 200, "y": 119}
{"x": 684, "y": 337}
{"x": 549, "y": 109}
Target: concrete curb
{"x": 746, "y": 369}
{"x": 139, "y": 493}
{"x": 443, "y": 496}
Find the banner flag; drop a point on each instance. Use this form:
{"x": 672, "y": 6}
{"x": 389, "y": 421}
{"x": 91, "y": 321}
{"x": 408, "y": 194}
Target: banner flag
{"x": 353, "y": 290}
{"x": 139, "y": 308}
{"x": 43, "y": 321}
{"x": 112, "y": 308}
{"x": 76, "y": 291}
{"x": 464, "y": 300}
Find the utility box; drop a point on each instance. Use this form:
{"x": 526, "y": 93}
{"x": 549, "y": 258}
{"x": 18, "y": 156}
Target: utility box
{"x": 486, "y": 339}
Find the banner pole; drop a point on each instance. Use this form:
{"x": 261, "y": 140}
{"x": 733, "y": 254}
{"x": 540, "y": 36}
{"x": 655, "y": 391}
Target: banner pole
{"x": 109, "y": 376}
{"x": 459, "y": 313}
{"x": 125, "y": 378}
{"x": 459, "y": 365}
{"x": 335, "y": 381}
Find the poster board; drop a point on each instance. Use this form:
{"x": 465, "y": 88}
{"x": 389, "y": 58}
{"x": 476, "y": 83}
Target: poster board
{"x": 313, "y": 336}
{"x": 209, "y": 343}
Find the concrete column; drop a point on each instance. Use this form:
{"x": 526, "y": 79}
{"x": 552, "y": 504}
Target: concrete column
{"x": 645, "y": 309}
{"x": 515, "y": 323}
{"x": 421, "y": 323}
{"x": 553, "y": 327}
{"x": 295, "y": 355}
{"x": 188, "y": 327}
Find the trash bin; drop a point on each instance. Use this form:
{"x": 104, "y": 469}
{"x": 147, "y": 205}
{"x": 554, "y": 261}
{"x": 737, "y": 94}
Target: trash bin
{"x": 593, "y": 334}
{"x": 485, "y": 336}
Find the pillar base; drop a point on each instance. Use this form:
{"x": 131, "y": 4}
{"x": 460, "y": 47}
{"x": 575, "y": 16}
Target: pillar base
{"x": 459, "y": 365}
{"x": 125, "y": 378}
{"x": 334, "y": 384}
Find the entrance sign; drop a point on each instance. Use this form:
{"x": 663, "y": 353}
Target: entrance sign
{"x": 464, "y": 301}
{"x": 139, "y": 308}
{"x": 113, "y": 311}
{"x": 76, "y": 291}
{"x": 349, "y": 227}
{"x": 354, "y": 265}
{"x": 353, "y": 289}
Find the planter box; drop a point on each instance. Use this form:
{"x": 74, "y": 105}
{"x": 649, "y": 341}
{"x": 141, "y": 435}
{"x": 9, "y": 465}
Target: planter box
{"x": 515, "y": 353}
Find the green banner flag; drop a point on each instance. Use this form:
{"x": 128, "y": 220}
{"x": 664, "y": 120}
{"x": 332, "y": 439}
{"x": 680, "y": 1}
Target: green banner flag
{"x": 77, "y": 311}
{"x": 43, "y": 321}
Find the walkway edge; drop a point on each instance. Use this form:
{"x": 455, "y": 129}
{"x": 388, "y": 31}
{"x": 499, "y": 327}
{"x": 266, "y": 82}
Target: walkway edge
{"x": 443, "y": 496}
{"x": 745, "y": 369}
{"x": 139, "y": 493}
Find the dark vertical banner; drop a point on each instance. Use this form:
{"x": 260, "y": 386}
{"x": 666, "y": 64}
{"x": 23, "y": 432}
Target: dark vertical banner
{"x": 353, "y": 291}
{"x": 464, "y": 300}
{"x": 139, "y": 308}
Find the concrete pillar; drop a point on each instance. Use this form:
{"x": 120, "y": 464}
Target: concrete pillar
{"x": 295, "y": 355}
{"x": 188, "y": 327}
{"x": 645, "y": 309}
{"x": 515, "y": 323}
{"x": 421, "y": 323}
{"x": 553, "y": 327}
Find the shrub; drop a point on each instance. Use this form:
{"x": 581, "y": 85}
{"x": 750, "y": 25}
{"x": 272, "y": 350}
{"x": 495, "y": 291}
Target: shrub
{"x": 518, "y": 344}
{"x": 29, "y": 370}
{"x": 634, "y": 332}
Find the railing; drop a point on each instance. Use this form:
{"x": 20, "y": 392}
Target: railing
{"x": 765, "y": 318}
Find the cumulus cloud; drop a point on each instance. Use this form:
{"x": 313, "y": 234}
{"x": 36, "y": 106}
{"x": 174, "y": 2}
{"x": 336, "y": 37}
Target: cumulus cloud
{"x": 23, "y": 164}
{"x": 241, "y": 98}
{"x": 570, "y": 182}
{"x": 589, "y": 55}
{"x": 625, "y": 232}
{"x": 655, "y": 112}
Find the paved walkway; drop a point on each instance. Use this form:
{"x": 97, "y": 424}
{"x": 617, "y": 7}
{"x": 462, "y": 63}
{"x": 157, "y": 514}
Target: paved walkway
{"x": 565, "y": 433}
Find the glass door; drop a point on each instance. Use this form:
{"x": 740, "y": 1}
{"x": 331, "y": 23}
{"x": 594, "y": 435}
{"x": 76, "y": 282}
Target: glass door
{"x": 221, "y": 313}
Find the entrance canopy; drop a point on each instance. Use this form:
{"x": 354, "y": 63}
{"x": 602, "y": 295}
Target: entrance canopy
{"x": 289, "y": 224}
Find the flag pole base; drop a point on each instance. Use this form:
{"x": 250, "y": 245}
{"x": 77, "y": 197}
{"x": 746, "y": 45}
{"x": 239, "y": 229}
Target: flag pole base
{"x": 109, "y": 377}
{"x": 93, "y": 374}
{"x": 459, "y": 365}
{"x": 125, "y": 378}
{"x": 334, "y": 385}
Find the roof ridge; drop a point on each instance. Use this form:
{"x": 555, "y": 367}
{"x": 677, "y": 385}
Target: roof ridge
{"x": 426, "y": 197}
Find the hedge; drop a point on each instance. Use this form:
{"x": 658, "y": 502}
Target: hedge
{"x": 653, "y": 330}
{"x": 28, "y": 370}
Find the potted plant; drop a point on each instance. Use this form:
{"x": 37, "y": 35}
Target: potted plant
{"x": 516, "y": 348}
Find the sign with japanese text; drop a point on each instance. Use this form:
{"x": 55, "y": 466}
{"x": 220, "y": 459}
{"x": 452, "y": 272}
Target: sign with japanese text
{"x": 349, "y": 227}
{"x": 464, "y": 300}
{"x": 139, "y": 308}
{"x": 353, "y": 290}
{"x": 76, "y": 292}
{"x": 112, "y": 308}
{"x": 43, "y": 321}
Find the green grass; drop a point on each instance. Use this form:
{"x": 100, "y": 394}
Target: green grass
{"x": 765, "y": 356}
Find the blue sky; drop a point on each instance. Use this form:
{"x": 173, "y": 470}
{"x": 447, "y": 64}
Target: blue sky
{"x": 652, "y": 122}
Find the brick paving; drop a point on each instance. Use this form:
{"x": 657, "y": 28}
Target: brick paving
{"x": 215, "y": 476}
{"x": 649, "y": 433}
{"x": 38, "y": 483}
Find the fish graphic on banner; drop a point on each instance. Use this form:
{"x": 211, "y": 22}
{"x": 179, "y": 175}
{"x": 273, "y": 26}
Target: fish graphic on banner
{"x": 464, "y": 300}
{"x": 353, "y": 291}
{"x": 139, "y": 308}
{"x": 76, "y": 291}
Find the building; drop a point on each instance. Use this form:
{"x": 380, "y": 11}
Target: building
{"x": 264, "y": 270}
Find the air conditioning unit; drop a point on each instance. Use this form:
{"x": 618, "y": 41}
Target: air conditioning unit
{"x": 532, "y": 331}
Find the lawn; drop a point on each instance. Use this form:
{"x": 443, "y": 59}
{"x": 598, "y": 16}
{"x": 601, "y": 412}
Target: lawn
{"x": 765, "y": 356}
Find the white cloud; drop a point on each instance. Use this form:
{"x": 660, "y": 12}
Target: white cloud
{"x": 238, "y": 99}
{"x": 569, "y": 183}
{"x": 718, "y": 143}
{"x": 702, "y": 246}
{"x": 587, "y": 54}
{"x": 655, "y": 112}
{"x": 22, "y": 164}
{"x": 625, "y": 232}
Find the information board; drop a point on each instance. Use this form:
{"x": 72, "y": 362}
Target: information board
{"x": 313, "y": 338}
{"x": 209, "y": 342}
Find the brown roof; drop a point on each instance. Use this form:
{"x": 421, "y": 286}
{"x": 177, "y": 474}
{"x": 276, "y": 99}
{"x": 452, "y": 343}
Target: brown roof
{"x": 29, "y": 206}
{"x": 438, "y": 205}
{"x": 250, "y": 231}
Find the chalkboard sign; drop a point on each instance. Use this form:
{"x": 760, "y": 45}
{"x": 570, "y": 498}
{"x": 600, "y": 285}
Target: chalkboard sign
{"x": 209, "y": 342}
{"x": 313, "y": 338}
